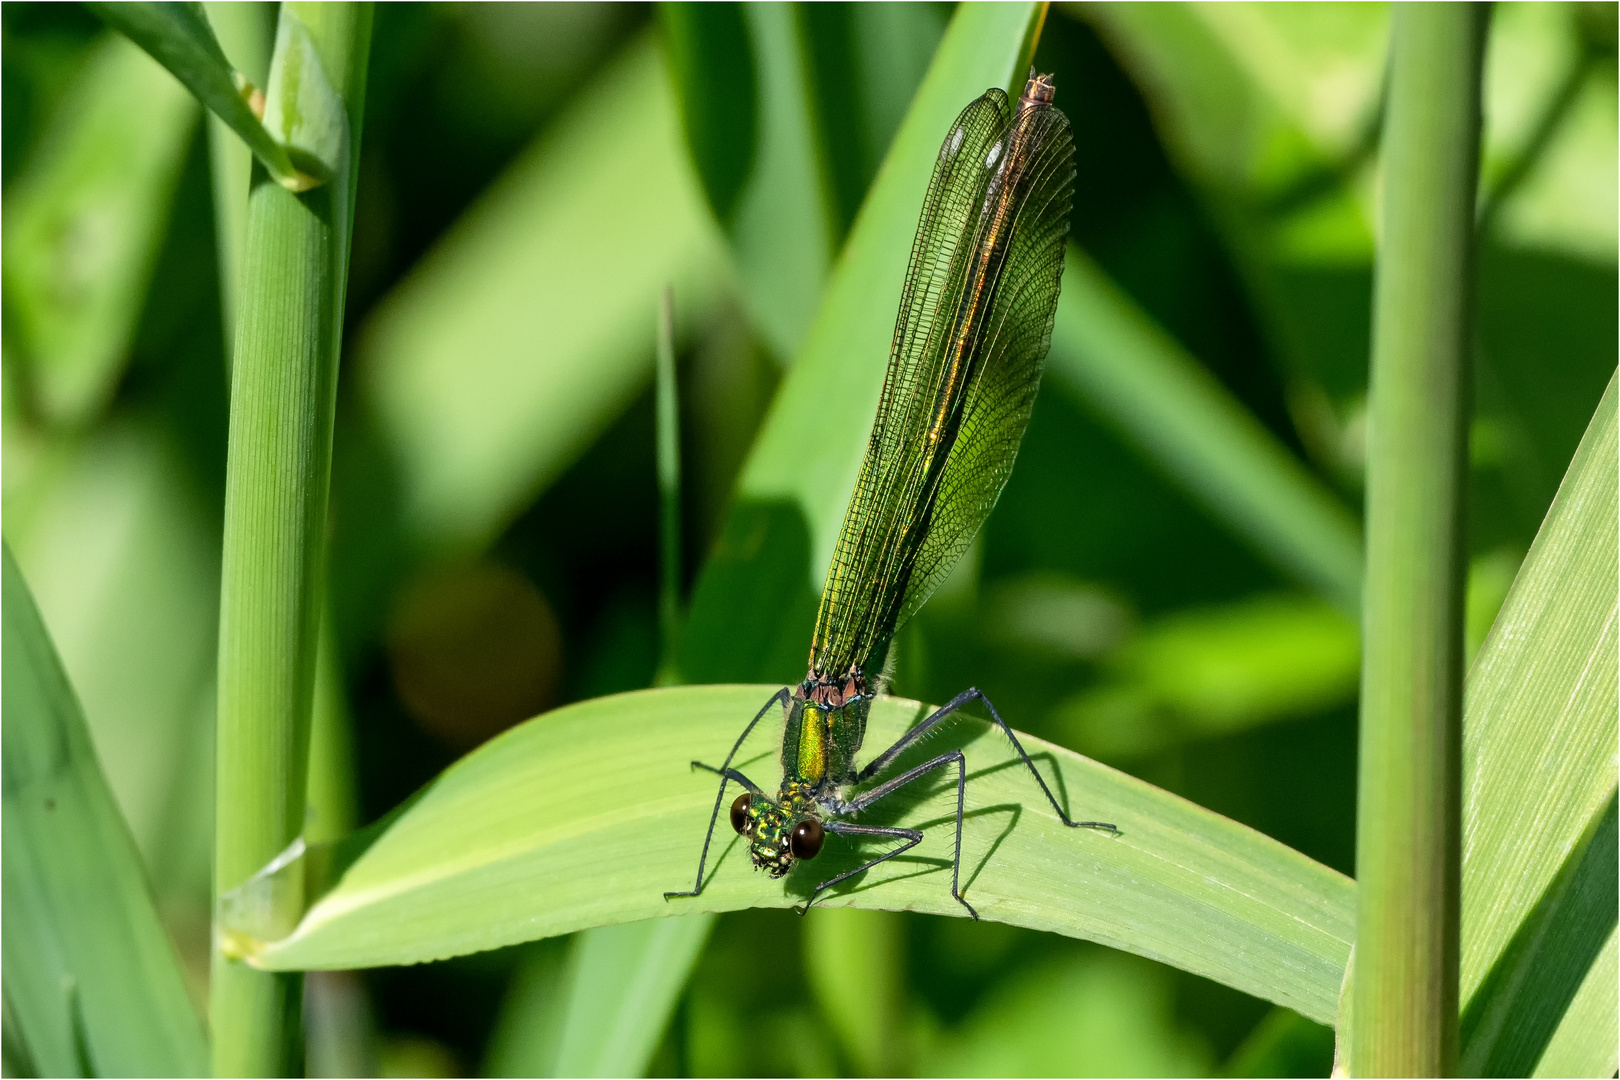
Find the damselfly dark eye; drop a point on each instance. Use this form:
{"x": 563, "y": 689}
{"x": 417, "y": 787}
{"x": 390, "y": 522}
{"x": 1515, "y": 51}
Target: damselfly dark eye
{"x": 739, "y": 813}
{"x": 805, "y": 843}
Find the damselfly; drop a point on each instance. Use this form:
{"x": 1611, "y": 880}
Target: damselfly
{"x": 969, "y": 343}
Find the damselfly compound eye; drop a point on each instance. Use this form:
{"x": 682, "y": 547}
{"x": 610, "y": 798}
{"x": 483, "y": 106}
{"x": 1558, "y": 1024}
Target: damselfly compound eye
{"x": 739, "y": 814}
{"x": 805, "y": 843}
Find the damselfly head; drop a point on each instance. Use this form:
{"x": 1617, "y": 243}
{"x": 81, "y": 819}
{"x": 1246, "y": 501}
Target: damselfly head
{"x": 776, "y": 838}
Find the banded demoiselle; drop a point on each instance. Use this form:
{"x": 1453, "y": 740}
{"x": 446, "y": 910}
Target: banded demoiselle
{"x": 970, "y": 341}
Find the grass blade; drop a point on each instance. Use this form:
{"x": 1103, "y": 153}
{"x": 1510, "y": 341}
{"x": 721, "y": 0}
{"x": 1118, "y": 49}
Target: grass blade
{"x": 90, "y": 976}
{"x": 669, "y": 483}
{"x": 289, "y": 328}
{"x": 523, "y": 333}
{"x": 544, "y": 830}
{"x": 1108, "y": 351}
{"x": 621, "y": 988}
{"x": 1539, "y": 781}
{"x": 84, "y": 224}
{"x": 621, "y": 983}
{"x": 742, "y": 77}
{"x": 1582, "y": 1045}
{"x": 178, "y": 36}
{"x": 1408, "y": 801}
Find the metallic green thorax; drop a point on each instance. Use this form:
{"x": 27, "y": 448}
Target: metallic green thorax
{"x": 819, "y": 745}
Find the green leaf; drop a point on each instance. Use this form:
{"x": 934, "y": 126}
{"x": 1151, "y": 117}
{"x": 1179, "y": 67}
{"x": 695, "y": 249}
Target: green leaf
{"x": 587, "y": 815}
{"x": 122, "y": 559}
{"x": 1539, "y": 782}
{"x": 1209, "y": 672}
{"x": 711, "y": 63}
{"x": 1580, "y": 1047}
{"x": 603, "y": 1009}
{"x": 84, "y": 223}
{"x": 855, "y": 962}
{"x": 788, "y": 111}
{"x": 89, "y": 974}
{"x": 741, "y": 76}
{"x": 520, "y": 337}
{"x": 178, "y": 36}
{"x": 1088, "y": 1014}
{"x": 753, "y": 606}
{"x": 1110, "y": 353}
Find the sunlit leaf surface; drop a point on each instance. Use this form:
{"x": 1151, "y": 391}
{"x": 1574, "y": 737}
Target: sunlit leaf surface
{"x": 587, "y": 815}
{"x": 1539, "y": 780}
{"x": 523, "y": 334}
{"x": 84, "y": 222}
{"x": 90, "y": 976}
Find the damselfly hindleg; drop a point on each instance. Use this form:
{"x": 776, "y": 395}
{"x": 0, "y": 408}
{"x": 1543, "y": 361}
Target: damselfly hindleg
{"x": 951, "y": 710}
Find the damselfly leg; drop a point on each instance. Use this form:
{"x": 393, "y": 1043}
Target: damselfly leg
{"x": 952, "y": 710}
{"x": 728, "y": 774}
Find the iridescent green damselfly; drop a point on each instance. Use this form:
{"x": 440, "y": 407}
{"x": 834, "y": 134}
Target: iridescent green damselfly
{"x": 969, "y": 344}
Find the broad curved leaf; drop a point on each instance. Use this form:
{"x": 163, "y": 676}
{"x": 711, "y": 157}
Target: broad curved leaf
{"x": 586, "y": 815}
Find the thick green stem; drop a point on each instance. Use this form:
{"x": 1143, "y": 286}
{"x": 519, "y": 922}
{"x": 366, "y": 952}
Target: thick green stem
{"x": 1408, "y": 812}
{"x": 288, "y": 328}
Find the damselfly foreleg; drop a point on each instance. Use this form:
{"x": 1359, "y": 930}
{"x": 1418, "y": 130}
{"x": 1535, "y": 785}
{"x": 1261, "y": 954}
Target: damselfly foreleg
{"x": 727, "y": 774}
{"x": 912, "y": 838}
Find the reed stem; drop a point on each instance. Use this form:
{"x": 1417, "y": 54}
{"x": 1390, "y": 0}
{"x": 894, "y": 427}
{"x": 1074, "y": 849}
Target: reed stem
{"x": 1408, "y": 811}
{"x": 289, "y": 324}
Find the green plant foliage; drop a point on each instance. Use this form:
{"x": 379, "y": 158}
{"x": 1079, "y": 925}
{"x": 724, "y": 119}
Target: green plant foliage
{"x": 1539, "y": 780}
{"x": 90, "y": 976}
{"x": 771, "y": 191}
{"x": 1580, "y": 1046}
{"x": 114, "y": 539}
{"x": 1106, "y": 1015}
{"x": 601, "y": 1009}
{"x": 288, "y": 335}
{"x": 1169, "y": 584}
{"x": 570, "y": 250}
{"x": 179, "y": 37}
{"x": 1409, "y": 754}
{"x": 854, "y": 959}
{"x": 753, "y": 605}
{"x": 245, "y": 33}
{"x": 564, "y": 805}
{"x": 1204, "y": 673}
{"x": 711, "y": 62}
{"x": 1107, "y": 351}
{"x": 83, "y": 225}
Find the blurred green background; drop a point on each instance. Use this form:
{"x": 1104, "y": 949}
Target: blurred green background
{"x": 528, "y": 182}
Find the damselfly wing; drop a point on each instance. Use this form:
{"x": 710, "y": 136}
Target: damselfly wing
{"x": 970, "y": 341}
